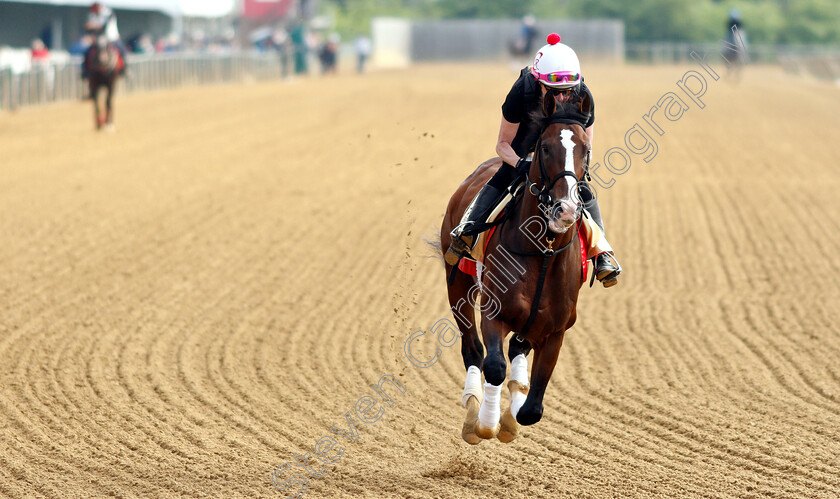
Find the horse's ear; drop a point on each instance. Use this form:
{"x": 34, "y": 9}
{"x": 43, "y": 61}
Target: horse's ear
{"x": 549, "y": 105}
{"x": 586, "y": 103}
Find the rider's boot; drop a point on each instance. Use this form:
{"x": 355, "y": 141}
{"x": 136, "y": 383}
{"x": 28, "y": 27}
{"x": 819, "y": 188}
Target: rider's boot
{"x": 607, "y": 267}
{"x": 464, "y": 235}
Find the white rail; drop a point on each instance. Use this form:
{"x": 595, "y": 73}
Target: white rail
{"x": 53, "y": 82}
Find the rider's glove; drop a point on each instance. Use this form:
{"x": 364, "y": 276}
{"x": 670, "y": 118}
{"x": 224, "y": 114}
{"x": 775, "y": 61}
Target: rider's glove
{"x": 522, "y": 166}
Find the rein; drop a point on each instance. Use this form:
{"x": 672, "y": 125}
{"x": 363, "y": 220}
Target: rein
{"x": 543, "y": 195}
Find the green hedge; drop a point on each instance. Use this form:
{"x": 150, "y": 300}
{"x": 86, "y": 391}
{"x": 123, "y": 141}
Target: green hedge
{"x": 765, "y": 21}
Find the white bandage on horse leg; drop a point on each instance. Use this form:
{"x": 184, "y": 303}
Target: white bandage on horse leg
{"x": 490, "y": 412}
{"x": 519, "y": 369}
{"x": 472, "y": 385}
{"x": 518, "y": 373}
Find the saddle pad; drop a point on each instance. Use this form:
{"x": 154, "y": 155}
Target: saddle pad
{"x": 468, "y": 265}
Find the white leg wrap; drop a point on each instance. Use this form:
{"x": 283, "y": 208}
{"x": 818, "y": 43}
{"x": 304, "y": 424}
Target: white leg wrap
{"x": 472, "y": 385}
{"x": 490, "y": 413}
{"x": 518, "y": 373}
{"x": 519, "y": 369}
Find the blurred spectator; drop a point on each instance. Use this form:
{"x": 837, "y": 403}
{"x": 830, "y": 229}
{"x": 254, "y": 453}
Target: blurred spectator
{"x": 40, "y": 53}
{"x": 41, "y": 62}
{"x": 197, "y": 40}
{"x": 280, "y": 43}
{"x": 145, "y": 45}
{"x": 363, "y": 48}
{"x": 141, "y": 44}
{"x": 81, "y": 45}
{"x": 170, "y": 43}
{"x": 299, "y": 42}
{"x": 328, "y": 54}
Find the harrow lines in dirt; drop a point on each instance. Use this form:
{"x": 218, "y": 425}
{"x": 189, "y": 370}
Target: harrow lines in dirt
{"x": 187, "y": 303}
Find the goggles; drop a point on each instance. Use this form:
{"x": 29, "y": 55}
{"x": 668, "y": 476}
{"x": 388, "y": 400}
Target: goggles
{"x": 559, "y": 77}
{"x": 557, "y": 91}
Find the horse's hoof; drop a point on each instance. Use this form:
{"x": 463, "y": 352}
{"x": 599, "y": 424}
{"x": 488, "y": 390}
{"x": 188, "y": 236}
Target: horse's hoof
{"x": 468, "y": 430}
{"x": 110, "y": 128}
{"x": 510, "y": 428}
{"x": 469, "y": 435}
{"x": 529, "y": 415}
{"x": 486, "y": 433}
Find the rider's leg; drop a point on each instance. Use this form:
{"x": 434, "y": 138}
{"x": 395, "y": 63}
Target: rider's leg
{"x": 464, "y": 235}
{"x": 86, "y": 62}
{"x": 605, "y": 270}
{"x": 591, "y": 205}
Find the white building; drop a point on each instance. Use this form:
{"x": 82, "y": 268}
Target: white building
{"x": 60, "y": 23}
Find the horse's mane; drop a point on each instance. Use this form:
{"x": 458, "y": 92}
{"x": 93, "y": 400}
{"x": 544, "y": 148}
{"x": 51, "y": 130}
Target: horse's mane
{"x": 570, "y": 110}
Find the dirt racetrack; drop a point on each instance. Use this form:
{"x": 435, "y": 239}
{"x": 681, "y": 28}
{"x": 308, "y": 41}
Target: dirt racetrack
{"x": 187, "y": 303}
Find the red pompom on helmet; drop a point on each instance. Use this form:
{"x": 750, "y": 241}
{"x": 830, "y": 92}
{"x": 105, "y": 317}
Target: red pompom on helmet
{"x": 96, "y": 7}
{"x": 553, "y": 39}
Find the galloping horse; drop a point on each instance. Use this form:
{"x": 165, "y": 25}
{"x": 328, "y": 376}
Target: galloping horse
{"x": 104, "y": 64}
{"x": 529, "y": 280}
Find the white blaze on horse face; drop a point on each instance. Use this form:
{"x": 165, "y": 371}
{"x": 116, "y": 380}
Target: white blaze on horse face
{"x": 569, "y": 144}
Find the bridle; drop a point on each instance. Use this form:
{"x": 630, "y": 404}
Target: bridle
{"x": 544, "y": 185}
{"x": 542, "y": 191}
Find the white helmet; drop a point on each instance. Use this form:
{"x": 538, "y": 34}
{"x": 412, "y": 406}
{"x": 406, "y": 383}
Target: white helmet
{"x": 556, "y": 65}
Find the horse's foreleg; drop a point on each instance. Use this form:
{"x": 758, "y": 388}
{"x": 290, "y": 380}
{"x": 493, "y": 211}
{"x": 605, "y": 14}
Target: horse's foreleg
{"x": 518, "y": 350}
{"x": 94, "y": 95}
{"x": 109, "y": 116}
{"x": 471, "y": 350}
{"x": 471, "y": 399}
{"x": 545, "y": 358}
{"x": 494, "y": 376}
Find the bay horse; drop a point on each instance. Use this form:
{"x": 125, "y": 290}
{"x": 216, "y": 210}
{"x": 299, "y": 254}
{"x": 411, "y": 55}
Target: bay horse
{"x": 104, "y": 64}
{"x": 529, "y": 280}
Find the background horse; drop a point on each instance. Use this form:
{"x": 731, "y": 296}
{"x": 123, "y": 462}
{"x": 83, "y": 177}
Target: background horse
{"x": 529, "y": 281}
{"x": 104, "y": 64}
{"x": 734, "y": 52}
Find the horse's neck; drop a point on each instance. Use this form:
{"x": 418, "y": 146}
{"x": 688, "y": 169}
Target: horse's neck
{"x": 525, "y": 218}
